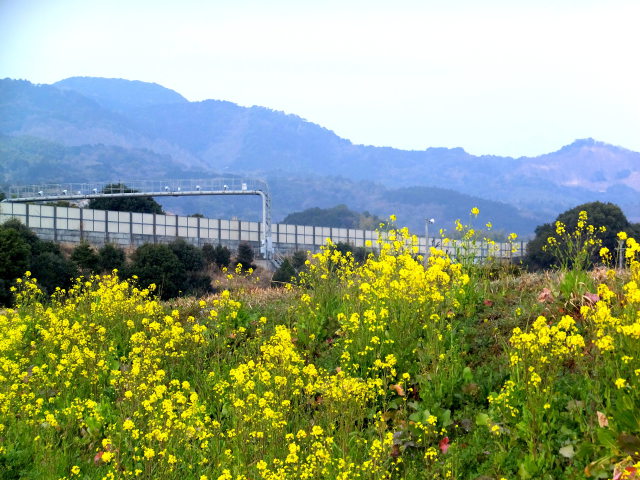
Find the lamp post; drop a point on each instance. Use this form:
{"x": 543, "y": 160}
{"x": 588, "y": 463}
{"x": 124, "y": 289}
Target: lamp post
{"x": 427, "y": 221}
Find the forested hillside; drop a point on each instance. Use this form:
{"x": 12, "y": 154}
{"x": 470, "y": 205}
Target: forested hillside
{"x": 107, "y": 128}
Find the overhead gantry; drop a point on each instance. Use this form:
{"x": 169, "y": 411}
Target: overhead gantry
{"x": 154, "y": 188}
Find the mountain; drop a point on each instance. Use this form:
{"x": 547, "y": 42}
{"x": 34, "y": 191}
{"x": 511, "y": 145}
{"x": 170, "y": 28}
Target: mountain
{"x": 120, "y": 95}
{"x": 65, "y": 116}
{"x": 30, "y": 160}
{"x": 172, "y": 136}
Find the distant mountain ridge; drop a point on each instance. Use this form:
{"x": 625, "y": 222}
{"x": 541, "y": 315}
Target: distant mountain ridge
{"x": 218, "y": 137}
{"x": 121, "y": 95}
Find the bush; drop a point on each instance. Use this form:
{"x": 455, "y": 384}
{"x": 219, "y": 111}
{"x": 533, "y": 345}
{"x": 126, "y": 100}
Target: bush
{"x": 359, "y": 253}
{"x": 197, "y": 283}
{"x": 192, "y": 259}
{"x": 290, "y": 269}
{"x": 175, "y": 269}
{"x": 110, "y": 257}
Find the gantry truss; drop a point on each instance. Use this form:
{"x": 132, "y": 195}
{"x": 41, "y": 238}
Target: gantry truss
{"x": 153, "y": 188}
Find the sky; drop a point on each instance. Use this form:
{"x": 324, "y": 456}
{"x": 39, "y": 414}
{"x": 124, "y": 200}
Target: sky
{"x": 500, "y": 77}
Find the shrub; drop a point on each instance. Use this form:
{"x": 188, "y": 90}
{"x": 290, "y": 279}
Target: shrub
{"x": 192, "y": 259}
{"x": 298, "y": 260}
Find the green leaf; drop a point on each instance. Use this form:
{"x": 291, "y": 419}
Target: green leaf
{"x": 416, "y": 417}
{"x": 607, "y": 439}
{"x": 445, "y": 418}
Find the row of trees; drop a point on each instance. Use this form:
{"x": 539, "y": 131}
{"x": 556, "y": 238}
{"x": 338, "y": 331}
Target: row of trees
{"x": 178, "y": 268}
{"x": 339, "y": 217}
{"x": 21, "y": 251}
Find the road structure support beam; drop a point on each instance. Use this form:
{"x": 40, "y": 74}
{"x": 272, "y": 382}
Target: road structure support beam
{"x": 154, "y": 188}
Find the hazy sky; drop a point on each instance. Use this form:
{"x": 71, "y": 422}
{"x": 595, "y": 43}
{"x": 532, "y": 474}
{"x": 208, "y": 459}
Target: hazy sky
{"x": 512, "y": 77}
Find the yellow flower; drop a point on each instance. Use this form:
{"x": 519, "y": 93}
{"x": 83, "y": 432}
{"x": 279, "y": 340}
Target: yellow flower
{"x": 475, "y": 211}
{"x": 621, "y": 383}
{"x": 75, "y": 470}
{"x": 107, "y": 457}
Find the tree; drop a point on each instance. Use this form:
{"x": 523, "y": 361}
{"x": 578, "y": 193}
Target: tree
{"x": 218, "y": 255}
{"x": 110, "y": 257}
{"x": 339, "y": 216}
{"x": 599, "y": 214}
{"x": 189, "y": 255}
{"x": 284, "y": 274}
{"x": 22, "y": 250}
{"x": 125, "y": 204}
{"x": 53, "y": 270}
{"x": 85, "y": 257}
{"x": 245, "y": 256}
{"x": 298, "y": 260}
{"x": 158, "y": 264}
{"x": 15, "y": 258}
{"x": 196, "y": 281}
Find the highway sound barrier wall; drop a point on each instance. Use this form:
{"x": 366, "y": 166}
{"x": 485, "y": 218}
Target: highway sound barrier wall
{"x": 73, "y": 225}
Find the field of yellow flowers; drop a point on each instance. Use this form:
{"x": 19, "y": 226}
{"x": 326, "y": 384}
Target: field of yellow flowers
{"x": 398, "y": 367}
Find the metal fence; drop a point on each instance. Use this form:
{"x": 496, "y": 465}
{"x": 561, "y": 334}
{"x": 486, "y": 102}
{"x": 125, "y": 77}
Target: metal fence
{"x": 73, "y": 225}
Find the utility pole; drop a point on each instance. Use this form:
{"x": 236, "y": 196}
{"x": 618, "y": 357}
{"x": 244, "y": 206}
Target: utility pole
{"x": 427, "y": 221}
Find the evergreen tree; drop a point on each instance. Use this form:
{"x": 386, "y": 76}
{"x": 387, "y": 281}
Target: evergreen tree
{"x": 245, "y": 256}
{"x": 599, "y": 214}
{"x": 110, "y": 257}
{"x": 284, "y": 274}
{"x": 22, "y": 250}
{"x": 53, "y": 271}
{"x": 219, "y": 255}
{"x": 125, "y": 204}
{"x": 189, "y": 255}
{"x": 158, "y": 264}
{"x": 15, "y": 259}
{"x": 86, "y": 258}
